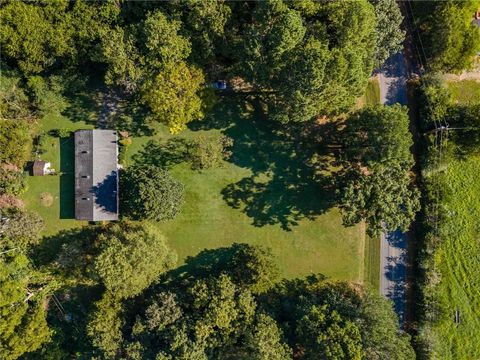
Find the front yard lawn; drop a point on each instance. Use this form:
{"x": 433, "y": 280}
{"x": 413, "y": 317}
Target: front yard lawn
{"x": 268, "y": 193}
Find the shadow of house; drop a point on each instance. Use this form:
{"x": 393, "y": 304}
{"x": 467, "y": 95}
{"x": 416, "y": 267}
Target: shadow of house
{"x": 105, "y": 193}
{"x": 67, "y": 178}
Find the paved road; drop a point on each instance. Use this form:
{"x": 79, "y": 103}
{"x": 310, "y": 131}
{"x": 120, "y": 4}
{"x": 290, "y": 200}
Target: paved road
{"x": 393, "y": 246}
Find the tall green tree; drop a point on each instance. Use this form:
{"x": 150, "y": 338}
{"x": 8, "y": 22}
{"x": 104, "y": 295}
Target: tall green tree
{"x": 131, "y": 257}
{"x": 175, "y": 95}
{"x": 104, "y": 326}
{"x": 15, "y": 142}
{"x": 449, "y": 37}
{"x": 287, "y": 47}
{"x": 23, "y": 325}
{"x": 150, "y": 192}
{"x": 377, "y": 185}
{"x": 390, "y": 35}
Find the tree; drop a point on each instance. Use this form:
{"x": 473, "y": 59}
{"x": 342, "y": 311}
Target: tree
{"x": 119, "y": 51}
{"x": 449, "y": 38}
{"x": 325, "y": 319}
{"x": 150, "y": 192}
{"x": 287, "y": 47}
{"x": 23, "y": 327}
{"x": 251, "y": 267}
{"x": 131, "y": 257}
{"x": 202, "y": 321}
{"x": 264, "y": 341}
{"x": 14, "y": 103}
{"x": 104, "y": 326}
{"x": 175, "y": 95}
{"x": 19, "y": 228}
{"x": 15, "y": 142}
{"x": 205, "y": 21}
{"x": 324, "y": 334}
{"x": 12, "y": 182}
{"x": 29, "y": 36}
{"x": 162, "y": 42}
{"x": 377, "y": 185}
{"x": 390, "y": 36}
{"x": 386, "y": 199}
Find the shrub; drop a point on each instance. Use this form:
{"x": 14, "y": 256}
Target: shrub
{"x": 209, "y": 153}
{"x": 12, "y": 182}
{"x": 15, "y": 142}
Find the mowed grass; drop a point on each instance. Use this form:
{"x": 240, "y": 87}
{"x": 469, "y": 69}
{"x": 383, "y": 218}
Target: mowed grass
{"x": 458, "y": 262}
{"x": 465, "y": 91}
{"x": 263, "y": 195}
{"x": 372, "y": 94}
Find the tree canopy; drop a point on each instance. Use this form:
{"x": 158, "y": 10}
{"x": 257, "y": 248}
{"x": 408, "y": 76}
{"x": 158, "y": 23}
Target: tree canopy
{"x": 449, "y": 37}
{"x": 377, "y": 185}
{"x": 150, "y": 192}
{"x": 131, "y": 257}
{"x": 209, "y": 312}
{"x": 23, "y": 328}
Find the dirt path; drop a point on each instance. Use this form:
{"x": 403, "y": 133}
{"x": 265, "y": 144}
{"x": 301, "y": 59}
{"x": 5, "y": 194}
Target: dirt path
{"x": 110, "y": 107}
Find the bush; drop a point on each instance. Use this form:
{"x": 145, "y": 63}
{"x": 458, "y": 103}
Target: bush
{"x": 19, "y": 228}
{"x": 150, "y": 192}
{"x": 15, "y": 142}
{"x": 47, "y": 95}
{"x": 12, "y": 182}
{"x": 61, "y": 133}
{"x": 210, "y": 153}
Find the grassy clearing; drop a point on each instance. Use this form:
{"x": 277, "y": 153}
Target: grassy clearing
{"x": 465, "y": 91}
{"x": 458, "y": 260}
{"x": 372, "y": 262}
{"x": 372, "y": 94}
{"x": 265, "y": 194}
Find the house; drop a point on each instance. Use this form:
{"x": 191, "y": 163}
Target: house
{"x": 96, "y": 175}
{"x": 41, "y": 168}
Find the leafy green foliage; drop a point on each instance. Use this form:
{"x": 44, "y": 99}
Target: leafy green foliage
{"x": 150, "y": 192}
{"x": 389, "y": 34}
{"x": 287, "y": 50}
{"x": 325, "y": 333}
{"x": 377, "y": 184}
{"x": 15, "y": 142}
{"x": 13, "y": 100}
{"x": 12, "y": 182}
{"x": 131, "y": 258}
{"x": 47, "y": 95}
{"x": 210, "y": 153}
{"x": 23, "y": 327}
{"x": 449, "y": 37}
{"x": 104, "y": 327}
{"x": 19, "y": 228}
{"x": 37, "y": 35}
{"x": 335, "y": 319}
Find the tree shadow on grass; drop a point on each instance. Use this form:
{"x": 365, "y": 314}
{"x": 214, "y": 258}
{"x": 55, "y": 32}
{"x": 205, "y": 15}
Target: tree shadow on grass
{"x": 164, "y": 154}
{"x": 291, "y": 166}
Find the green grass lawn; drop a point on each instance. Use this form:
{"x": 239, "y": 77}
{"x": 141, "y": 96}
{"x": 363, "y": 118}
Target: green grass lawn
{"x": 458, "y": 262}
{"x": 466, "y": 91}
{"x": 372, "y": 94}
{"x": 265, "y": 194}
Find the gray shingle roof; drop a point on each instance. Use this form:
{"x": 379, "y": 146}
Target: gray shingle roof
{"x": 96, "y": 175}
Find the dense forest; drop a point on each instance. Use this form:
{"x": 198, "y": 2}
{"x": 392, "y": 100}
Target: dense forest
{"x": 305, "y": 63}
